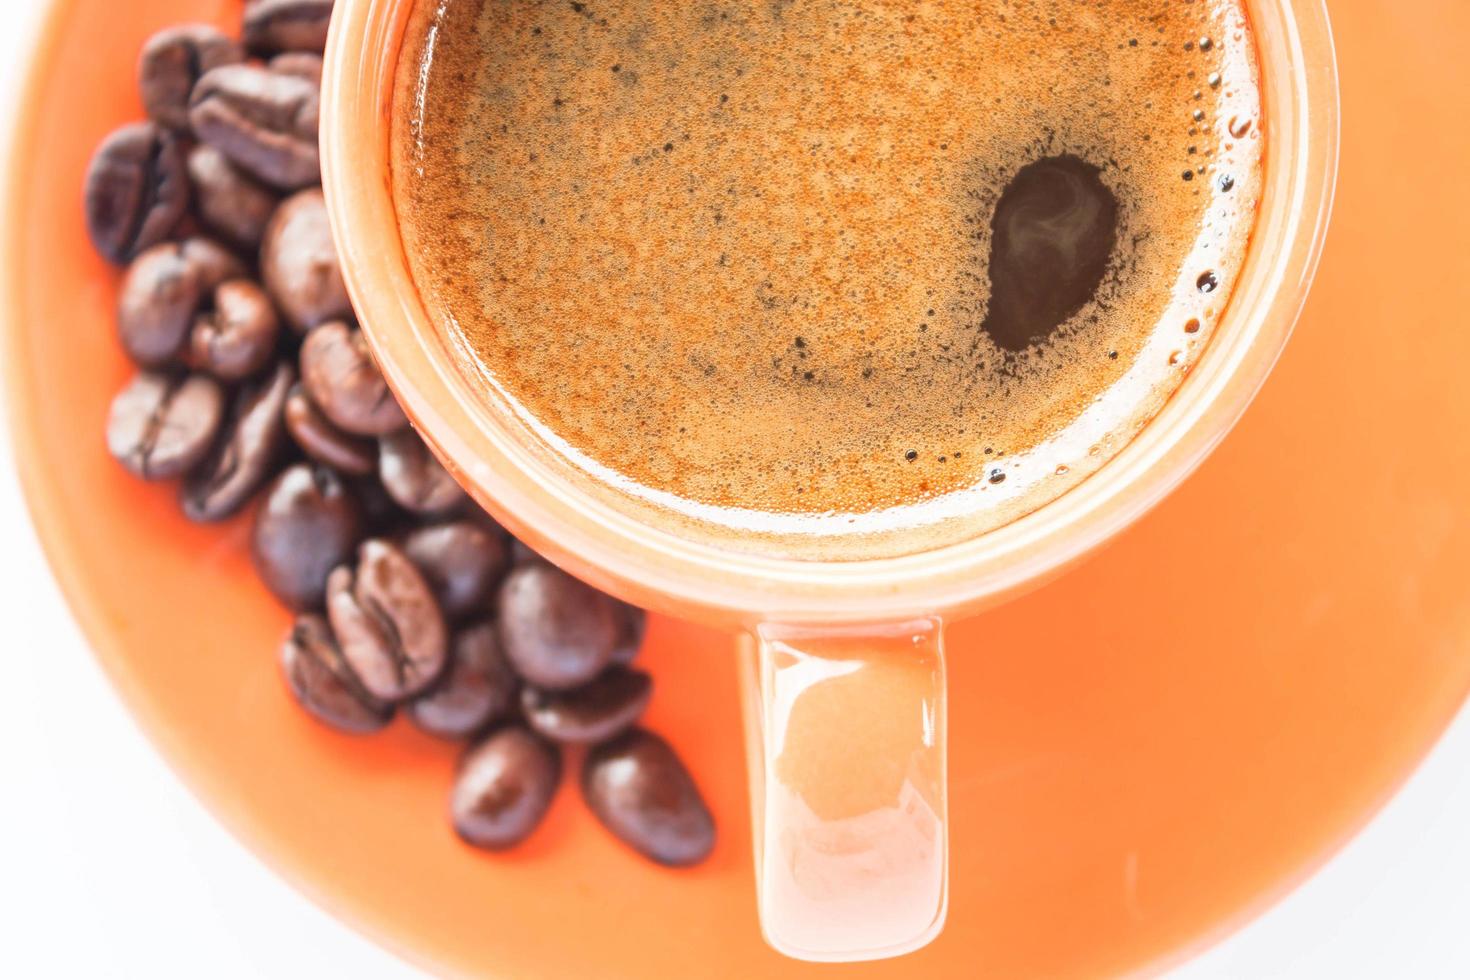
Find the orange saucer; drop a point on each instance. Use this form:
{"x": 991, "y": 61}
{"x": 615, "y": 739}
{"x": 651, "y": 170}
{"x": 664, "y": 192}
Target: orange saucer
{"x": 1144, "y": 753}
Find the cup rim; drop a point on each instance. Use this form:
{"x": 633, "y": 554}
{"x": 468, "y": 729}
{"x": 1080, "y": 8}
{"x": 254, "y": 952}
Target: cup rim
{"x": 657, "y": 568}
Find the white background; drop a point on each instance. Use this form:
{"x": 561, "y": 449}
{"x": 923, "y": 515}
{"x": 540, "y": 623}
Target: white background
{"x": 108, "y": 868}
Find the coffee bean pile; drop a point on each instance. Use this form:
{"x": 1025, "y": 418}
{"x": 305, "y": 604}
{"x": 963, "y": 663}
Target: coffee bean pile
{"x": 254, "y": 386}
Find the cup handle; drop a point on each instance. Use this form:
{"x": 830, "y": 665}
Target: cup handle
{"x": 845, "y": 732}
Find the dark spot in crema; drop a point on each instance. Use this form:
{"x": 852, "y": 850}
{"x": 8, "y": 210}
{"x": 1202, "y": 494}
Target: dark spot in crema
{"x": 1051, "y": 237}
{"x": 1226, "y": 182}
{"x": 996, "y": 476}
{"x": 911, "y": 455}
{"x": 1207, "y": 283}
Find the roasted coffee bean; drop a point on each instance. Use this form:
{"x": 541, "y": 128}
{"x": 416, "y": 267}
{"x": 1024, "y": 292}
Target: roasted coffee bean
{"x": 340, "y": 375}
{"x": 324, "y": 442}
{"x": 639, "y": 789}
{"x": 172, "y": 61}
{"x": 156, "y": 304}
{"x": 478, "y": 689}
{"x": 246, "y": 456}
{"x": 136, "y": 190}
{"x": 386, "y": 620}
{"x": 228, "y": 200}
{"x": 594, "y": 712}
{"x": 558, "y": 632}
{"x": 414, "y": 477}
{"x": 160, "y": 294}
{"x": 238, "y": 336}
{"x": 302, "y": 64}
{"x": 630, "y": 637}
{"x": 161, "y": 425}
{"x": 504, "y": 787}
{"x": 463, "y": 562}
{"x": 322, "y": 682}
{"x": 264, "y": 121}
{"x": 298, "y": 263}
{"x": 306, "y": 525}
{"x": 287, "y": 25}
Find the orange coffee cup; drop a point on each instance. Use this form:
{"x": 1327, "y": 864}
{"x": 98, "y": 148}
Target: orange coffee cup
{"x": 844, "y": 675}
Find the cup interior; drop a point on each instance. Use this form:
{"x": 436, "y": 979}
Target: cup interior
{"x": 624, "y": 548}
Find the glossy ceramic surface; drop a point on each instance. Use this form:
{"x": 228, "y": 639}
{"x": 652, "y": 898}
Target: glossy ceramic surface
{"x": 850, "y": 834}
{"x": 1142, "y": 753}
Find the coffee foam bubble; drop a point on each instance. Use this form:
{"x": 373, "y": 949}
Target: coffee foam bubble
{"x": 733, "y": 260}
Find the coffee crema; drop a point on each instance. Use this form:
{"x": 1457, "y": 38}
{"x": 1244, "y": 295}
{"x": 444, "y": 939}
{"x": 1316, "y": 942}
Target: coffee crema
{"x": 828, "y": 279}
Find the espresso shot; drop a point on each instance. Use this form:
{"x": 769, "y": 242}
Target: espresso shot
{"x": 832, "y": 280}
